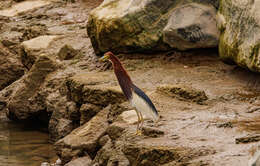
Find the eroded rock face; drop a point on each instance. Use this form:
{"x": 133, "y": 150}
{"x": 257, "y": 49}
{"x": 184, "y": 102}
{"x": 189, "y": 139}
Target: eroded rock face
{"x": 85, "y": 139}
{"x": 24, "y": 102}
{"x": 111, "y": 154}
{"x": 239, "y": 23}
{"x": 131, "y": 26}
{"x": 87, "y": 111}
{"x": 10, "y": 68}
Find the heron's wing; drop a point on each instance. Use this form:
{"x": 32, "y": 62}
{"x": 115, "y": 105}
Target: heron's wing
{"x": 143, "y": 103}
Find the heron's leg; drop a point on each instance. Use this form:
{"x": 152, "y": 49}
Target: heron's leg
{"x": 142, "y": 121}
{"x": 139, "y": 120}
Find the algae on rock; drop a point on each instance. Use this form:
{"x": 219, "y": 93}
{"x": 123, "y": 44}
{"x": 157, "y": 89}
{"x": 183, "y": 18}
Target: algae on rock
{"x": 239, "y": 23}
{"x": 134, "y": 26}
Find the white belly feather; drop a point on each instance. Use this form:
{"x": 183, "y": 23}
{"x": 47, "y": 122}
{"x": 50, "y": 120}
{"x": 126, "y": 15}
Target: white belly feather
{"x": 141, "y": 106}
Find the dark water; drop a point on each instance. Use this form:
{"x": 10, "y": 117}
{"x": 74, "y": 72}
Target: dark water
{"x": 23, "y": 145}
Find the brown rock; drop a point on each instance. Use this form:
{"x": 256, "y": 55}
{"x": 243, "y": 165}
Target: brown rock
{"x": 82, "y": 161}
{"x": 183, "y": 93}
{"x": 11, "y": 68}
{"x": 116, "y": 130}
{"x": 65, "y": 117}
{"x": 67, "y": 52}
{"x": 110, "y": 155}
{"x": 87, "y": 111}
{"x": 90, "y": 88}
{"x": 25, "y": 102}
{"x": 248, "y": 139}
{"x": 32, "y": 48}
{"x": 145, "y": 154}
{"x": 152, "y": 132}
{"x": 116, "y": 110}
{"x": 83, "y": 139}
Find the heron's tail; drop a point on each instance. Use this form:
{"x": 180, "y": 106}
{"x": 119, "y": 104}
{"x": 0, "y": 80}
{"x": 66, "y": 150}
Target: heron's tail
{"x": 151, "y": 113}
{"x": 155, "y": 116}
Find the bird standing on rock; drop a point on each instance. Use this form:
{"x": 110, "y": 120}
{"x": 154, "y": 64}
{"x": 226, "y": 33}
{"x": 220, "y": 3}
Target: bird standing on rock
{"x": 138, "y": 99}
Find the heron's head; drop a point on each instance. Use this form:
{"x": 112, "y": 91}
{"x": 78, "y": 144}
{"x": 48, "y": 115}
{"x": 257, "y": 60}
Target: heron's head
{"x": 106, "y": 56}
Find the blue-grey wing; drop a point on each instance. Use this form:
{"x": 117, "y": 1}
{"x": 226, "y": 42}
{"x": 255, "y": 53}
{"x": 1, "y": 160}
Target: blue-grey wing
{"x": 141, "y": 94}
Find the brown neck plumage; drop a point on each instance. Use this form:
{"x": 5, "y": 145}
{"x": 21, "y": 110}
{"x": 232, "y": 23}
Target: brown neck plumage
{"x": 123, "y": 78}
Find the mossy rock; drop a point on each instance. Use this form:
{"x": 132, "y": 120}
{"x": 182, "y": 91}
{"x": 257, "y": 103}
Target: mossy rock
{"x": 138, "y": 26}
{"x": 239, "y": 24}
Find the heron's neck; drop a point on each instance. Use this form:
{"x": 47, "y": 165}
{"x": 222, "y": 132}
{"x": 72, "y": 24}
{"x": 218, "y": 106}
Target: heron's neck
{"x": 123, "y": 78}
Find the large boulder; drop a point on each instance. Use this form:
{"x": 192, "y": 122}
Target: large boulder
{"x": 133, "y": 25}
{"x": 192, "y": 26}
{"x": 24, "y": 101}
{"x": 239, "y": 23}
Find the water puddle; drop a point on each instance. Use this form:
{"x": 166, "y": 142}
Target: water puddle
{"x": 23, "y": 145}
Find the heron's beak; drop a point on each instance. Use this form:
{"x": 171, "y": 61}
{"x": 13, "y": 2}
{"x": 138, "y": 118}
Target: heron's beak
{"x": 104, "y": 58}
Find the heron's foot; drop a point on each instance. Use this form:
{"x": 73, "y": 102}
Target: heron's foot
{"x": 139, "y": 132}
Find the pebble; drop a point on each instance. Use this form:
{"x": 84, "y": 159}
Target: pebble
{"x": 45, "y": 164}
{"x": 58, "y": 162}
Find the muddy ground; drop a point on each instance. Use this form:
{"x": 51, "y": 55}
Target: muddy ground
{"x": 226, "y": 124}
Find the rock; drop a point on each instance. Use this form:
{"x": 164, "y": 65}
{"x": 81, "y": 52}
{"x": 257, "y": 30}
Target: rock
{"x": 87, "y": 111}
{"x": 60, "y": 128}
{"x": 152, "y": 132}
{"x": 48, "y": 103}
{"x": 131, "y": 26}
{"x": 115, "y": 130}
{"x": 25, "y": 102}
{"x": 142, "y": 154}
{"x": 67, "y": 52}
{"x": 32, "y": 48}
{"x": 9, "y": 39}
{"x": 83, "y": 139}
{"x": 45, "y": 164}
{"x": 255, "y": 160}
{"x": 116, "y": 110}
{"x": 23, "y": 7}
{"x": 110, "y": 154}
{"x": 192, "y": 163}
{"x": 192, "y": 26}
{"x": 11, "y": 68}
{"x": 239, "y": 23}
{"x": 82, "y": 161}
{"x": 102, "y": 141}
{"x": 126, "y": 122}
{"x": 130, "y": 116}
{"x": 248, "y": 139}
{"x": 183, "y": 93}
{"x": 65, "y": 117}
{"x": 225, "y": 125}
{"x": 89, "y": 88}
{"x": 34, "y": 31}
{"x": 72, "y": 111}
{"x": 58, "y": 162}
